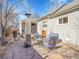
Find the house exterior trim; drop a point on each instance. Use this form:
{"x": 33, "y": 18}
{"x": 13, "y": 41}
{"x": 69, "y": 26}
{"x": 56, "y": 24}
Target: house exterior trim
{"x": 72, "y": 9}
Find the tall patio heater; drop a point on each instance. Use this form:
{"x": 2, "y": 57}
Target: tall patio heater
{"x": 28, "y": 31}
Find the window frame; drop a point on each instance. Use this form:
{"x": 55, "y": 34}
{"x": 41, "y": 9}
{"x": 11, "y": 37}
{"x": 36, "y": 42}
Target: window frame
{"x": 63, "y": 20}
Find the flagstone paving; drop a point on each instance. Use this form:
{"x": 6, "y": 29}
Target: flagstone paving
{"x": 17, "y": 51}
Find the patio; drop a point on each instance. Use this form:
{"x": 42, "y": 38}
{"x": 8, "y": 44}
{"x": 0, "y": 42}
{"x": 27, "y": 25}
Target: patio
{"x": 17, "y": 51}
{"x": 63, "y": 51}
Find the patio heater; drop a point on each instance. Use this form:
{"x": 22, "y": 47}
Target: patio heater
{"x": 28, "y": 31}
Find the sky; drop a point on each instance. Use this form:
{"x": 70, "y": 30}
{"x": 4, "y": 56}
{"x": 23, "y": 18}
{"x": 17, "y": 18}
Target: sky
{"x": 41, "y": 7}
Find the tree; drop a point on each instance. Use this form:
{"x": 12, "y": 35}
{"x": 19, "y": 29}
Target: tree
{"x": 7, "y": 14}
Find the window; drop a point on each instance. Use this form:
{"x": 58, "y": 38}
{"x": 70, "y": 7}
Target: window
{"x": 63, "y": 20}
{"x": 44, "y": 25}
{"x": 60, "y": 20}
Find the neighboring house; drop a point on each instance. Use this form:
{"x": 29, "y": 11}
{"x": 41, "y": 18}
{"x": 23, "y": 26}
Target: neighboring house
{"x": 65, "y": 22}
{"x": 23, "y": 24}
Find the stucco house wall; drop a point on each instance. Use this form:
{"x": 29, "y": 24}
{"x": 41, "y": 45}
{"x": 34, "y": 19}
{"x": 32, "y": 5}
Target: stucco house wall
{"x": 40, "y": 26}
{"x": 68, "y": 32}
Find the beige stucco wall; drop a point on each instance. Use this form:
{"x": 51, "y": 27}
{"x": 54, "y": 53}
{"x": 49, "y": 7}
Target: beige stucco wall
{"x": 40, "y": 26}
{"x": 67, "y": 32}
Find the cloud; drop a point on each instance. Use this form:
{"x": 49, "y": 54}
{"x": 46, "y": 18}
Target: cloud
{"x": 63, "y": 1}
{"x": 22, "y": 17}
{"x": 52, "y": 0}
{"x": 59, "y": 1}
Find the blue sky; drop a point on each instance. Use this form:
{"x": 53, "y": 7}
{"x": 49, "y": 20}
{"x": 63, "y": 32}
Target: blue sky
{"x": 40, "y": 7}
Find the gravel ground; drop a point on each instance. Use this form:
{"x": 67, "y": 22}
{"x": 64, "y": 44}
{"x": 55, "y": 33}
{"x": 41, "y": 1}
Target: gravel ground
{"x": 63, "y": 51}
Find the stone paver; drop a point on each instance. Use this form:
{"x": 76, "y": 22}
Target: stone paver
{"x": 17, "y": 51}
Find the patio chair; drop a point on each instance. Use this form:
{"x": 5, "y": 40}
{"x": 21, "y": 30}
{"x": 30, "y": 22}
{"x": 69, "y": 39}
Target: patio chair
{"x": 51, "y": 40}
{"x": 37, "y": 37}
